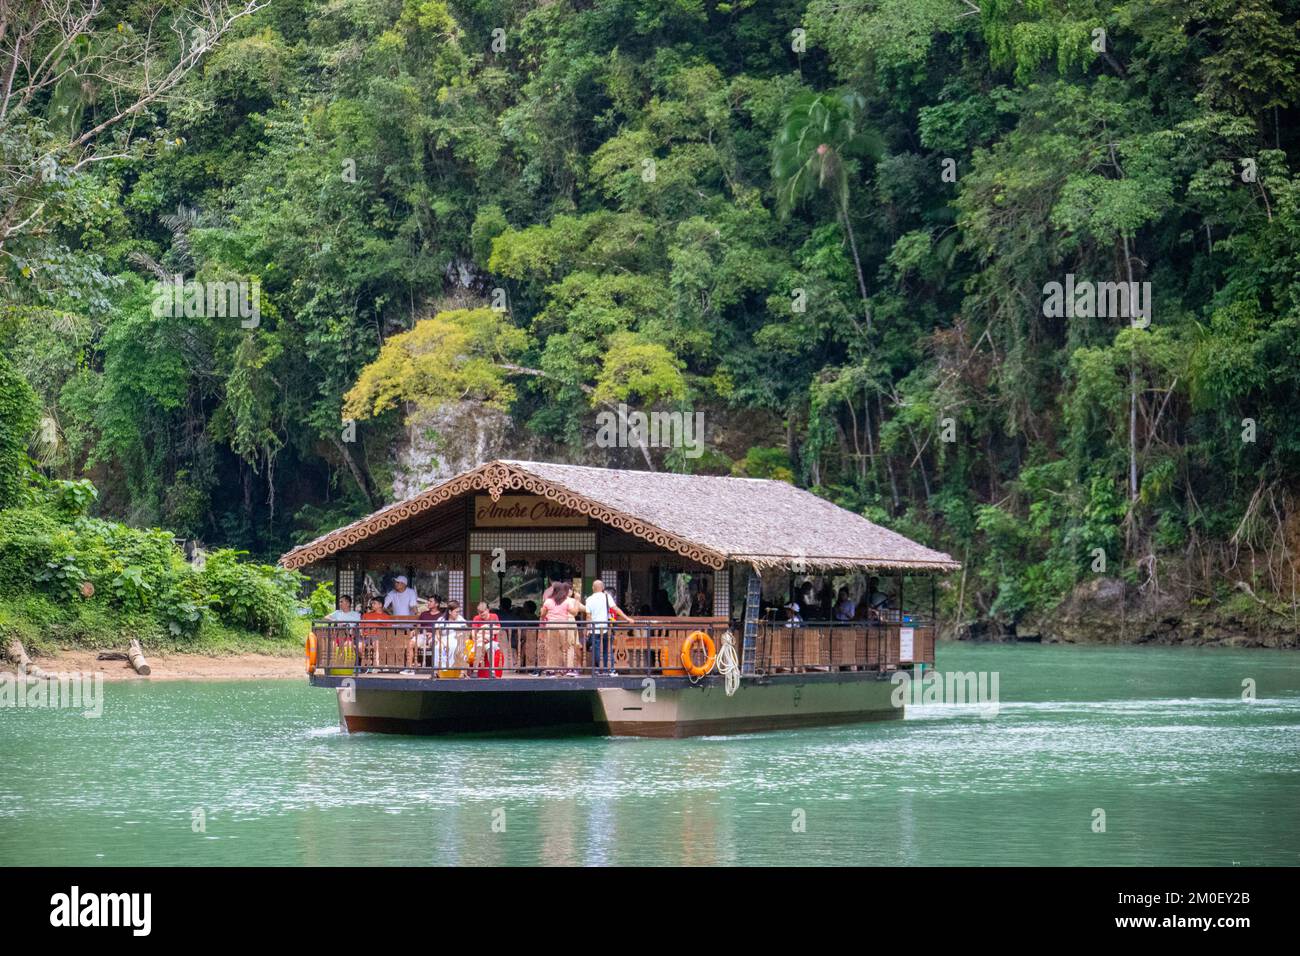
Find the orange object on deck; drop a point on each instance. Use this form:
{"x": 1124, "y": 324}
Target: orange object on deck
{"x": 711, "y": 654}
{"x": 311, "y": 651}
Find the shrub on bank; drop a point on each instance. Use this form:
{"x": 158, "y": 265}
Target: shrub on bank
{"x": 66, "y": 577}
{"x": 139, "y": 575}
{"x": 44, "y": 626}
{"x": 257, "y": 597}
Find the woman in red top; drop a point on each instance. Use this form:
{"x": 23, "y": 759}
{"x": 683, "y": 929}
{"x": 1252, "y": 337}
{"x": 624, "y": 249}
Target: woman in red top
{"x": 489, "y": 648}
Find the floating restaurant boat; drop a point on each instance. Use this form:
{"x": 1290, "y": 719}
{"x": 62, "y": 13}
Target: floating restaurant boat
{"x": 707, "y": 567}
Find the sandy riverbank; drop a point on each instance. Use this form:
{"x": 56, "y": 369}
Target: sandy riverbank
{"x": 177, "y": 666}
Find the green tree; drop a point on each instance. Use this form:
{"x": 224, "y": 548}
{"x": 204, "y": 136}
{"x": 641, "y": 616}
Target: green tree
{"x": 19, "y": 412}
{"x": 821, "y": 138}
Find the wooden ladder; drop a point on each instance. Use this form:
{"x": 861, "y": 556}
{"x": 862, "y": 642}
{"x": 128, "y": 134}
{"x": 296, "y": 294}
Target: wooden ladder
{"x": 753, "y": 594}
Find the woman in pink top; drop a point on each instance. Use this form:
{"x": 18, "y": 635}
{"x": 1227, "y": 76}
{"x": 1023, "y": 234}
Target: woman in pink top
{"x": 560, "y": 640}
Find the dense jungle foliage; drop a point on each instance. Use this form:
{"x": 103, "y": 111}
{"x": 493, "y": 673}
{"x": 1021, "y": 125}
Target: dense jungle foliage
{"x": 829, "y": 225}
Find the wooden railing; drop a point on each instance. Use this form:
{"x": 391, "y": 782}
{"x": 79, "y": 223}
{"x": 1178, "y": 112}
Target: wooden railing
{"x": 648, "y": 646}
{"x": 850, "y": 645}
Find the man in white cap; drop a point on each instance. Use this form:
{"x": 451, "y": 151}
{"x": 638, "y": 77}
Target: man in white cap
{"x": 401, "y": 600}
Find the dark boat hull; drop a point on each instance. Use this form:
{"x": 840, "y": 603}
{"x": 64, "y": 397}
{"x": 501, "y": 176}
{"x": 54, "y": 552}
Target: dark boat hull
{"x": 618, "y": 706}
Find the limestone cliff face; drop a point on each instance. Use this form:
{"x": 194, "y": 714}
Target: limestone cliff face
{"x": 456, "y": 438}
{"x": 453, "y": 439}
{"x": 1109, "y": 611}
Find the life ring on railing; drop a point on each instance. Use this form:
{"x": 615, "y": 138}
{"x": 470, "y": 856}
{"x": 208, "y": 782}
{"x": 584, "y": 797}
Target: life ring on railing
{"x": 311, "y": 651}
{"x": 710, "y": 651}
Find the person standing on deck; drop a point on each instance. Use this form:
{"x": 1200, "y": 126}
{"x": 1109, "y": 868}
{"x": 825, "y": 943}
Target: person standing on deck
{"x": 876, "y": 599}
{"x": 558, "y": 642}
{"x": 807, "y": 601}
{"x": 601, "y": 608}
{"x": 402, "y": 600}
{"x": 507, "y": 613}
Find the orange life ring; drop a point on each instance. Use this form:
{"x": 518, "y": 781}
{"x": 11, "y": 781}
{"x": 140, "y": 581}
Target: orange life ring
{"x": 311, "y": 651}
{"x": 711, "y": 654}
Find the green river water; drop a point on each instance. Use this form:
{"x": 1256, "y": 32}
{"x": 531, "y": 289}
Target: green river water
{"x": 1160, "y": 739}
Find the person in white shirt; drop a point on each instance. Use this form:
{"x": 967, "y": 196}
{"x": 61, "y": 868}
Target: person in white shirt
{"x": 344, "y": 614}
{"x": 449, "y": 647}
{"x": 793, "y": 615}
{"x": 402, "y": 599}
{"x": 601, "y": 608}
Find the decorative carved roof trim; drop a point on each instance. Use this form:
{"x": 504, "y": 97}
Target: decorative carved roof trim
{"x": 495, "y": 478}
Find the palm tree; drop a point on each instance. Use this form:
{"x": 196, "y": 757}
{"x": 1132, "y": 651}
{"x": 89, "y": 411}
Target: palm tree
{"x": 820, "y": 134}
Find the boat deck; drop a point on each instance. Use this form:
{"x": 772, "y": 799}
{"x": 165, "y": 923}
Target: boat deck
{"x": 536, "y": 653}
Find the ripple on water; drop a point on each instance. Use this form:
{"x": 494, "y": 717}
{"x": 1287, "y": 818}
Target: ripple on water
{"x": 1186, "y": 771}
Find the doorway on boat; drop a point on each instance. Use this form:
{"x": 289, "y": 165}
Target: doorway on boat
{"x": 438, "y": 581}
{"x": 523, "y": 581}
{"x": 676, "y": 591}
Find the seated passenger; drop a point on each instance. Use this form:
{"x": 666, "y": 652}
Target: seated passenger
{"x": 376, "y": 612}
{"x": 845, "y": 606}
{"x": 344, "y": 612}
{"x": 487, "y": 643}
{"x": 792, "y": 616}
{"x": 431, "y": 610}
{"x": 448, "y": 644}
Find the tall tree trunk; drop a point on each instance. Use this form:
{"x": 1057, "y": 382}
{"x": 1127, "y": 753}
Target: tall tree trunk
{"x": 358, "y": 474}
{"x": 889, "y": 465}
{"x": 871, "y": 444}
{"x": 857, "y": 262}
{"x": 1132, "y": 392}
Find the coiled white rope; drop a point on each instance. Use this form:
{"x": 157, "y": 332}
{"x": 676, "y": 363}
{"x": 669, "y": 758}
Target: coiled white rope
{"x": 727, "y": 664}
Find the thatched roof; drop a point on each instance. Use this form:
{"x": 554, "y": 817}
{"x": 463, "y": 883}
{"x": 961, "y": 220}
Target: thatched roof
{"x": 714, "y": 520}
